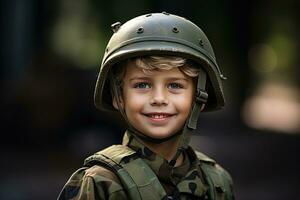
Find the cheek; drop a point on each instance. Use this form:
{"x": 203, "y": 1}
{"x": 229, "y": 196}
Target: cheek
{"x": 133, "y": 102}
{"x": 184, "y": 103}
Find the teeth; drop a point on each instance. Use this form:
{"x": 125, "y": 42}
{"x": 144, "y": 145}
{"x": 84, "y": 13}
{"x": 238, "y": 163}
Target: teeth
{"x": 158, "y": 116}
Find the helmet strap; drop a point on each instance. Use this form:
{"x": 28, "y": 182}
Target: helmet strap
{"x": 201, "y": 97}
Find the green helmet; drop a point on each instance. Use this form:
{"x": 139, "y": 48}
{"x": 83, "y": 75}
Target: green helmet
{"x": 162, "y": 34}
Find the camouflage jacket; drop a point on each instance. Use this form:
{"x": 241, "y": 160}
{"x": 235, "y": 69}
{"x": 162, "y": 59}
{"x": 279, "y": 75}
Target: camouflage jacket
{"x": 186, "y": 181}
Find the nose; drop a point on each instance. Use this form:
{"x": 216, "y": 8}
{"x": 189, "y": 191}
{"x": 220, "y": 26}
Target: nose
{"x": 159, "y": 97}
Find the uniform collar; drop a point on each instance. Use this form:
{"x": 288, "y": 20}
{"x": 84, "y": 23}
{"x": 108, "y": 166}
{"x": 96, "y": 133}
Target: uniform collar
{"x": 186, "y": 177}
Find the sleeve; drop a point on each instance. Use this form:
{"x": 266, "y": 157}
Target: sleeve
{"x": 93, "y": 184}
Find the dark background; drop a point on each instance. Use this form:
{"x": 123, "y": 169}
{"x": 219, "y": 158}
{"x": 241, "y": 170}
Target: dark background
{"x": 50, "y": 56}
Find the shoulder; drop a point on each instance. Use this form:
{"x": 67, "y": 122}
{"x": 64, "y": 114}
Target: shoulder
{"x": 217, "y": 177}
{"x": 100, "y": 166}
{"x": 111, "y": 155}
{"x": 93, "y": 181}
{"x": 106, "y": 163}
{"x": 211, "y": 166}
{"x": 95, "y": 175}
{"x": 102, "y": 174}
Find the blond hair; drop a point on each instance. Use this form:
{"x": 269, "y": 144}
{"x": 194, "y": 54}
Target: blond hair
{"x": 155, "y": 63}
{"x": 148, "y": 64}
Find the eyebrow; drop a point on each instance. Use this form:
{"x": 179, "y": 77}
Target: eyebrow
{"x": 178, "y": 78}
{"x": 149, "y": 78}
{"x": 139, "y": 77}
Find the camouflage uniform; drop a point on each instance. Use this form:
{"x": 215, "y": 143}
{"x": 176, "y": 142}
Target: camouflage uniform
{"x": 186, "y": 181}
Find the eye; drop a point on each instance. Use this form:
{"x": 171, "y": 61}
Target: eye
{"x": 175, "y": 86}
{"x": 142, "y": 85}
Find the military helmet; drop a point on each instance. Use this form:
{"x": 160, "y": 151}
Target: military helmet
{"x": 160, "y": 34}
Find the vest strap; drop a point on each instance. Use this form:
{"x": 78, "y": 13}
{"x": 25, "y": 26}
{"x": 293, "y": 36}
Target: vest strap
{"x": 138, "y": 179}
{"x": 148, "y": 184}
{"x": 130, "y": 186}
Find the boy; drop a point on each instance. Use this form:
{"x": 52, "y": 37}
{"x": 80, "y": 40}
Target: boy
{"x": 159, "y": 71}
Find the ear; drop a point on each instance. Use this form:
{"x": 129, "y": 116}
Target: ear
{"x": 115, "y": 103}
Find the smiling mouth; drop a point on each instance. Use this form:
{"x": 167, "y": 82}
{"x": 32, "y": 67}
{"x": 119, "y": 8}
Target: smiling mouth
{"x": 159, "y": 115}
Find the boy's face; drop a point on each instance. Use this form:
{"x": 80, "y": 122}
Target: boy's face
{"x": 157, "y": 105}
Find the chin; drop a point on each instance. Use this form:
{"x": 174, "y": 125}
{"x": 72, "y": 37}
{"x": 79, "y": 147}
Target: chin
{"x": 160, "y": 135}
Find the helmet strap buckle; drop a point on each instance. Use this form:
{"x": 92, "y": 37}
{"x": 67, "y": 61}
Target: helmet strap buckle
{"x": 201, "y": 96}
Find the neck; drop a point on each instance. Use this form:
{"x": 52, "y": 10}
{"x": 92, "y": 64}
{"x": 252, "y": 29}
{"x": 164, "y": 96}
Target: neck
{"x": 166, "y": 149}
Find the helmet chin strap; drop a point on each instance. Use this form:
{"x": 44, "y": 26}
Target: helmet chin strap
{"x": 190, "y": 124}
{"x": 201, "y": 97}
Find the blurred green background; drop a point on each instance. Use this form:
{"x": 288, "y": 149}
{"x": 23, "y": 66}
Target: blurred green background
{"x": 50, "y": 57}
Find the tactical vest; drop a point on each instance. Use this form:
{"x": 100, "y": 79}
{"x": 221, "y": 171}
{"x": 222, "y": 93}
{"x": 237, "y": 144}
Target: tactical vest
{"x": 141, "y": 183}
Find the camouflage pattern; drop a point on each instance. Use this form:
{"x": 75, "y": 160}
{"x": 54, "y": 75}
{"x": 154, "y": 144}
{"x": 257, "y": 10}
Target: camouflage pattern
{"x": 186, "y": 181}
